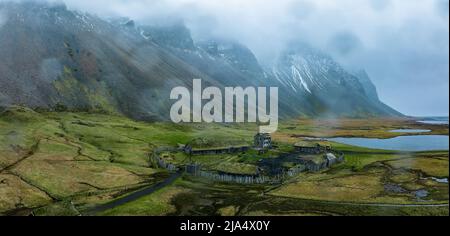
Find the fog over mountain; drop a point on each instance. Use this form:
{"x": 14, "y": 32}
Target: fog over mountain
{"x": 402, "y": 45}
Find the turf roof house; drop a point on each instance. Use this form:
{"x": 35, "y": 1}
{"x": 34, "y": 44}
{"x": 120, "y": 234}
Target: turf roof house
{"x": 318, "y": 157}
{"x": 188, "y": 149}
{"x": 263, "y": 140}
{"x": 316, "y": 149}
{"x": 320, "y": 162}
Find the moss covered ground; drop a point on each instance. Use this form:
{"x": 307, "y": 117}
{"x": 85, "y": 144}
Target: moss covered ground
{"x": 65, "y": 163}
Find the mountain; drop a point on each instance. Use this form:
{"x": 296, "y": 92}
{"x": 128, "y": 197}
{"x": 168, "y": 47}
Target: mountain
{"x": 53, "y": 57}
{"x": 230, "y": 63}
{"x": 321, "y": 87}
{"x": 336, "y": 92}
{"x": 368, "y": 86}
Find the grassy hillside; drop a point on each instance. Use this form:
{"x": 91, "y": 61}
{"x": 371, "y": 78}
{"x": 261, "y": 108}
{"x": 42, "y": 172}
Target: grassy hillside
{"x": 63, "y": 163}
{"x": 58, "y": 157}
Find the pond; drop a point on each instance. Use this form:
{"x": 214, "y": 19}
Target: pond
{"x": 410, "y": 131}
{"x": 401, "y": 143}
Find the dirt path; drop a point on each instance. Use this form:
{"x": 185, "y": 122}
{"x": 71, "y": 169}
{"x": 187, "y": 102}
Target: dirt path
{"x": 136, "y": 195}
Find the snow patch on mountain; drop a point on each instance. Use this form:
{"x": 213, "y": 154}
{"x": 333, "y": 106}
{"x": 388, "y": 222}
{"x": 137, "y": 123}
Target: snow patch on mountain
{"x": 145, "y": 36}
{"x": 296, "y": 76}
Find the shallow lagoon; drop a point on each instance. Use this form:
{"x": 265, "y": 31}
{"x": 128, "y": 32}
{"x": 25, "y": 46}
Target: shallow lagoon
{"x": 435, "y": 121}
{"x": 410, "y": 131}
{"x": 401, "y": 143}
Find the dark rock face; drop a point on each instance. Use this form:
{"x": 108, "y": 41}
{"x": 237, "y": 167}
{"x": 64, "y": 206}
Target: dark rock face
{"x": 52, "y": 56}
{"x": 175, "y": 36}
{"x": 55, "y": 56}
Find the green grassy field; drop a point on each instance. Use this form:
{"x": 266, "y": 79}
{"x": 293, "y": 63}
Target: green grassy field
{"x": 64, "y": 163}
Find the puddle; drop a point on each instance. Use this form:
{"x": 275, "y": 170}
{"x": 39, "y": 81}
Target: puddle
{"x": 393, "y": 188}
{"x": 421, "y": 193}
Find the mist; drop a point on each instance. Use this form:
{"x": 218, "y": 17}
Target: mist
{"x": 2, "y": 19}
{"x": 402, "y": 44}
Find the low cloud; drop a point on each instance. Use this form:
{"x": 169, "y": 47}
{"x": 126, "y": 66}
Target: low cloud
{"x": 344, "y": 43}
{"x": 380, "y": 5}
{"x": 2, "y": 18}
{"x": 442, "y": 8}
{"x": 402, "y": 44}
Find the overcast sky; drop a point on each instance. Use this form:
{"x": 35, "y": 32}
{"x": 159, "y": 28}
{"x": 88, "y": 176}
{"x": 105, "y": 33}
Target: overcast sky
{"x": 403, "y": 44}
